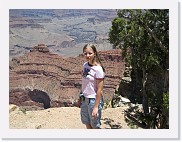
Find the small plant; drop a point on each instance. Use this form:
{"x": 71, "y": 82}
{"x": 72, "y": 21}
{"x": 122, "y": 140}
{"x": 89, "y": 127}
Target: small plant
{"x": 24, "y": 110}
{"x": 107, "y": 104}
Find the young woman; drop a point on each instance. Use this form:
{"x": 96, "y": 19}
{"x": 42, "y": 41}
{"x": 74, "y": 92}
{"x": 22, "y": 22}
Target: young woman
{"x": 92, "y": 86}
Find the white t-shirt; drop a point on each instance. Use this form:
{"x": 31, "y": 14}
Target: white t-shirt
{"x": 89, "y": 82}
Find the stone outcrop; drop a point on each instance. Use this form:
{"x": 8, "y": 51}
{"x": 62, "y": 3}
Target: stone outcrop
{"x": 40, "y": 48}
{"x": 43, "y": 79}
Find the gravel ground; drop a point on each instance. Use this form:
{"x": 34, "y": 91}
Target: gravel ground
{"x": 62, "y": 118}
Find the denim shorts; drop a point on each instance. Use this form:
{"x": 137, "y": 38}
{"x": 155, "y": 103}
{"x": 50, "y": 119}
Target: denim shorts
{"x": 86, "y": 112}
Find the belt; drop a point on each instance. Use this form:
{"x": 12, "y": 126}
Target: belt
{"x": 84, "y": 99}
{"x": 87, "y": 100}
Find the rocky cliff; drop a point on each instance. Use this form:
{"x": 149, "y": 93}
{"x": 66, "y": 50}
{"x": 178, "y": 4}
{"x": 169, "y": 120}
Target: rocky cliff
{"x": 42, "y": 79}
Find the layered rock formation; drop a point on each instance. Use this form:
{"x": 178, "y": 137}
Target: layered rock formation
{"x": 60, "y": 29}
{"x": 41, "y": 79}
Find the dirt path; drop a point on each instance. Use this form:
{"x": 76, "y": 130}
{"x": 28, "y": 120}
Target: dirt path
{"x": 63, "y": 118}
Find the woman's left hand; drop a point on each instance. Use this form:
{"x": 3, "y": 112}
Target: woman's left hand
{"x": 95, "y": 112}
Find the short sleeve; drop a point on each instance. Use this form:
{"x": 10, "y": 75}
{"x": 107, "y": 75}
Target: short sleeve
{"x": 99, "y": 73}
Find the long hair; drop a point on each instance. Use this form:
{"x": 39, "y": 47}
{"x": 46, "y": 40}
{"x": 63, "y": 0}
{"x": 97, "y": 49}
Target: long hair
{"x": 96, "y": 58}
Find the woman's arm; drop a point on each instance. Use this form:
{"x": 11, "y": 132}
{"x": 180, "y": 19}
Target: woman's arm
{"x": 100, "y": 83}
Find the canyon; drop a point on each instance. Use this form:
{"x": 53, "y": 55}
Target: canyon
{"x": 64, "y": 31}
{"x": 45, "y": 55}
{"x": 41, "y": 79}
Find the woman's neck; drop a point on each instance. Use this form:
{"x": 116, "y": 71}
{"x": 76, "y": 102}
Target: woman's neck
{"x": 92, "y": 64}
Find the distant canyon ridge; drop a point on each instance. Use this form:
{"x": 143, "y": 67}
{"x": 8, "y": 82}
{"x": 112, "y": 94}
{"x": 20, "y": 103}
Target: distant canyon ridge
{"x": 64, "y": 31}
{"x": 45, "y": 49}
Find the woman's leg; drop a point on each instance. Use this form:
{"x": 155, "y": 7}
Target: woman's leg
{"x": 85, "y": 115}
{"x": 95, "y": 123}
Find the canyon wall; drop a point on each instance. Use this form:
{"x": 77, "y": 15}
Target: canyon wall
{"x": 41, "y": 79}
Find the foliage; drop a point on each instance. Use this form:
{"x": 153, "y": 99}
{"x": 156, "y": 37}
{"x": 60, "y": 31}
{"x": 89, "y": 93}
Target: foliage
{"x": 143, "y": 36}
{"x": 166, "y": 100}
{"x": 131, "y": 32}
{"x": 23, "y": 110}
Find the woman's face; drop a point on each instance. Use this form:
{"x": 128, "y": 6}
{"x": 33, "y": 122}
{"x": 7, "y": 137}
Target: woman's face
{"x": 89, "y": 54}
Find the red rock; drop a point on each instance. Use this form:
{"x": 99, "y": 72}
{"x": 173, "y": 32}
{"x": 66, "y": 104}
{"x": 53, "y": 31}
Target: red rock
{"x": 59, "y": 78}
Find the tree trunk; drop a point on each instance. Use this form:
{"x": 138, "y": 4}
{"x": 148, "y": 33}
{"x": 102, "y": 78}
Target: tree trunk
{"x": 145, "y": 96}
{"x": 166, "y": 80}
